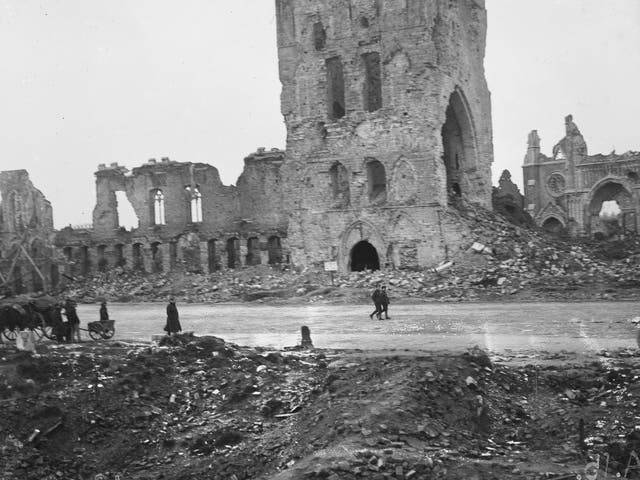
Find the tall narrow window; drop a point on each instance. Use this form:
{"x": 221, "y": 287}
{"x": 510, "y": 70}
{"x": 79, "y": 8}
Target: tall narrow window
{"x": 372, "y": 85}
{"x": 339, "y": 183}
{"x": 377, "y": 180}
{"x": 195, "y": 203}
{"x": 335, "y": 88}
{"x": 158, "y": 207}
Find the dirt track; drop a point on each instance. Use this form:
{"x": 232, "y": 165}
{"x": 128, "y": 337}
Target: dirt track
{"x": 579, "y": 327}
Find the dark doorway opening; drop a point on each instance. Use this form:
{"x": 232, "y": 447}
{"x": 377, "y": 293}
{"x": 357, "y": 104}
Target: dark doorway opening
{"x": 364, "y": 256}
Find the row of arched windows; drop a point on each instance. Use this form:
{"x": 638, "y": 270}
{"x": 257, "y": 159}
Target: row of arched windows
{"x": 194, "y": 205}
{"x": 376, "y": 183}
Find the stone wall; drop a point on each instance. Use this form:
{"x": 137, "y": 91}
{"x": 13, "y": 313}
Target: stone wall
{"x": 28, "y": 260}
{"x": 387, "y": 113}
{"x": 566, "y": 191}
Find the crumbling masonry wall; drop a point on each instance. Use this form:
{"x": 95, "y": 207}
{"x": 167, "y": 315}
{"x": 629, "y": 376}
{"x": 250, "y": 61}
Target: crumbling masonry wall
{"x": 28, "y": 259}
{"x": 390, "y": 95}
{"x": 187, "y": 219}
{"x": 565, "y": 191}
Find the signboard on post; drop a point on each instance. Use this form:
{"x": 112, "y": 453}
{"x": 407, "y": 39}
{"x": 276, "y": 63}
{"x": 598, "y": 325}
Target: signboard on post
{"x": 331, "y": 267}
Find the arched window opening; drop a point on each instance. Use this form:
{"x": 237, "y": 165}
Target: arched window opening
{"x": 127, "y": 217}
{"x": 319, "y": 36}
{"x": 253, "y": 251}
{"x": 156, "y": 257}
{"x": 372, "y": 93}
{"x": 233, "y": 252}
{"x": 158, "y": 207}
{"x": 119, "y": 251}
{"x": 195, "y": 204}
{"x": 15, "y": 205}
{"x": 335, "y": 88}
{"x": 274, "y": 248}
{"x": 138, "y": 260}
{"x": 213, "y": 261}
{"x": 364, "y": 256}
{"x": 339, "y": 182}
{"x": 377, "y": 181}
{"x": 613, "y": 211}
{"x": 102, "y": 258}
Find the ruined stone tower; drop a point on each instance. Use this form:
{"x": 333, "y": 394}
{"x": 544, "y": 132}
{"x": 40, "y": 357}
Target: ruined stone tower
{"x": 388, "y": 117}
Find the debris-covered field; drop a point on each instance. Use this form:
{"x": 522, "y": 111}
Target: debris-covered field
{"x": 500, "y": 261}
{"x": 200, "y": 408}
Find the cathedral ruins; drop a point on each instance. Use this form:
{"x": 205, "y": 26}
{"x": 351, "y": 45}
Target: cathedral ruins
{"x": 388, "y": 118}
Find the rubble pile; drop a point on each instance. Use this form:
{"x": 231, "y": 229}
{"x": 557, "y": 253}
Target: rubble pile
{"x": 204, "y": 408}
{"x": 500, "y": 260}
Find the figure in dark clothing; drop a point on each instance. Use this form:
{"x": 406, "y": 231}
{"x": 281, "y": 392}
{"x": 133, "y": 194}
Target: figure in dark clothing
{"x": 384, "y": 301}
{"x": 104, "y": 314}
{"x": 173, "y": 319}
{"x": 377, "y": 301}
{"x": 73, "y": 319}
{"x": 59, "y": 328}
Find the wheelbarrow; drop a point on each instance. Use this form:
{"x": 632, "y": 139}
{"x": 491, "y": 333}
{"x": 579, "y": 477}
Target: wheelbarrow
{"x": 104, "y": 329}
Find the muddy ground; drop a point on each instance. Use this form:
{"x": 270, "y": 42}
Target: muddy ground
{"x": 200, "y": 408}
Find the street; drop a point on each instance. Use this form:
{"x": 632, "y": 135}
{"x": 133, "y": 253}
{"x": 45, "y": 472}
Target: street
{"x": 499, "y": 327}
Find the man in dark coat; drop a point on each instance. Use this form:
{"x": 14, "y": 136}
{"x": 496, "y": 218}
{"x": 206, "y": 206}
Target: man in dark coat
{"x": 384, "y": 301}
{"x": 73, "y": 319}
{"x": 377, "y": 301}
{"x": 173, "y": 319}
{"x": 60, "y": 329}
{"x": 104, "y": 314}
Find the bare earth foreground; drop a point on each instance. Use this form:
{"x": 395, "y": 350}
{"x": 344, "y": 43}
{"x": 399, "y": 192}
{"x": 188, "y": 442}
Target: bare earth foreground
{"x": 497, "y": 327}
{"x": 552, "y": 386}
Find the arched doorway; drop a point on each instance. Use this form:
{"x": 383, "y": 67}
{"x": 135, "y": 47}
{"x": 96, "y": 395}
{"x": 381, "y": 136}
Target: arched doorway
{"x": 458, "y": 143}
{"x": 612, "y": 210}
{"x": 552, "y": 225}
{"x": 364, "y": 256}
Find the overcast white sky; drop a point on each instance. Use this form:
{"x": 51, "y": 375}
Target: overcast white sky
{"x": 84, "y": 82}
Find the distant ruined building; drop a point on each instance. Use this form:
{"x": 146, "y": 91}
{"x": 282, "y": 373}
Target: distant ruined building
{"x": 566, "y": 192}
{"x": 388, "y": 119}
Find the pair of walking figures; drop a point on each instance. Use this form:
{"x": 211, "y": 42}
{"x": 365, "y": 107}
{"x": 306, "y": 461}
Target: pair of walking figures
{"x": 381, "y": 302}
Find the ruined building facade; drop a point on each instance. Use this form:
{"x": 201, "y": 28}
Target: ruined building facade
{"x": 187, "y": 219}
{"x": 387, "y": 113}
{"x": 28, "y": 257}
{"x": 566, "y": 191}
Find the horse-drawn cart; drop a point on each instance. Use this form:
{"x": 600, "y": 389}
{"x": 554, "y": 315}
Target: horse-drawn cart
{"x": 26, "y": 313}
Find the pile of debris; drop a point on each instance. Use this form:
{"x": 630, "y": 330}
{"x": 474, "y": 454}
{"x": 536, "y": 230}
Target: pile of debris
{"x": 204, "y": 408}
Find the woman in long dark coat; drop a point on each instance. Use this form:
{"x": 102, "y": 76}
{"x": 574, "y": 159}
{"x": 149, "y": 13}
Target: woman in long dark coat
{"x": 173, "y": 319}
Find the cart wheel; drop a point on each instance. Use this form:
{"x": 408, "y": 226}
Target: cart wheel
{"x": 10, "y": 335}
{"x": 47, "y": 330}
{"x": 108, "y": 333}
{"x": 37, "y": 330}
{"x": 94, "y": 333}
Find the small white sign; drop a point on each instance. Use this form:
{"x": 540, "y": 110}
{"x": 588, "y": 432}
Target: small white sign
{"x": 330, "y": 266}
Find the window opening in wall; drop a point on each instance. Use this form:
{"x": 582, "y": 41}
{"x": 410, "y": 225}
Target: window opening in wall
{"x": 632, "y": 176}
{"x": 319, "y": 36}
{"x": 138, "y": 262}
{"x": 120, "y": 260}
{"x": 335, "y": 88}
{"x": 156, "y": 257}
{"x": 233, "y": 252}
{"x": 373, "y": 82}
{"x": 364, "y": 256}
{"x": 364, "y": 22}
{"x": 195, "y": 203}
{"x": 253, "y": 251}
{"x": 552, "y": 225}
{"x": 127, "y": 217}
{"x": 339, "y": 183}
{"x": 102, "y": 259}
{"x": 54, "y": 275}
{"x": 377, "y": 181}
{"x": 274, "y": 248}
{"x": 211, "y": 250}
{"x": 15, "y": 205}
{"x": 158, "y": 207}
{"x": 610, "y": 218}
{"x": 84, "y": 260}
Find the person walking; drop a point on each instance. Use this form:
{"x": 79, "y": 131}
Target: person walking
{"x": 384, "y": 301}
{"x": 173, "y": 319}
{"x": 376, "y": 296}
{"x": 73, "y": 319}
{"x": 104, "y": 314}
